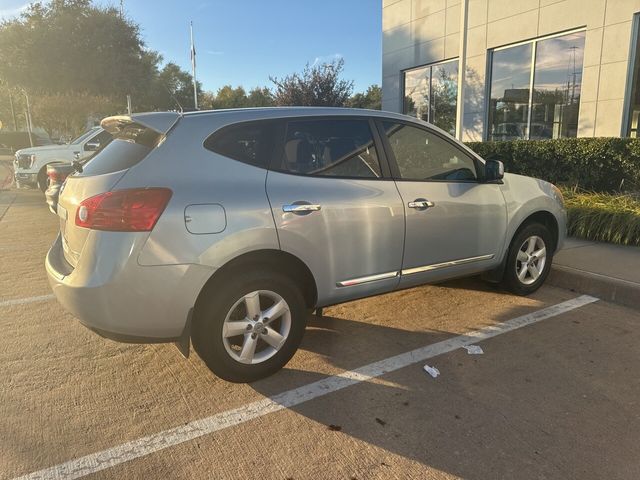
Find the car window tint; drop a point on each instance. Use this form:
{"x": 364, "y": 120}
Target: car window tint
{"x": 423, "y": 155}
{"x": 250, "y": 143}
{"x": 335, "y": 148}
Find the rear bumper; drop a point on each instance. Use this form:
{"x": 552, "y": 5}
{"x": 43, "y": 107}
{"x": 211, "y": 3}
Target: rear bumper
{"x": 112, "y": 295}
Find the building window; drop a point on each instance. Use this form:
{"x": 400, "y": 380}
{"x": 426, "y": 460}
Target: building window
{"x": 633, "y": 99}
{"x": 430, "y": 93}
{"x": 535, "y": 89}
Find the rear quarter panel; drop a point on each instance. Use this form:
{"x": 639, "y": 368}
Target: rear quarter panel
{"x": 198, "y": 176}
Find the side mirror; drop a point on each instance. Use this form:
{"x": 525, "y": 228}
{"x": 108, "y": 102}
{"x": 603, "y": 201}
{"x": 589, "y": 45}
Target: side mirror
{"x": 91, "y": 146}
{"x": 493, "y": 170}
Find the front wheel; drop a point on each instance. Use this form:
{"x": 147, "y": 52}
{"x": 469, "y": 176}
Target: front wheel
{"x": 43, "y": 180}
{"x": 529, "y": 259}
{"x": 250, "y": 327}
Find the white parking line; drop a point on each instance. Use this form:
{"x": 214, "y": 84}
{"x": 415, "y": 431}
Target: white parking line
{"x": 22, "y": 301}
{"x": 111, "y": 457}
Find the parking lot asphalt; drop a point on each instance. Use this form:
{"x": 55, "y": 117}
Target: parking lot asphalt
{"x": 559, "y": 398}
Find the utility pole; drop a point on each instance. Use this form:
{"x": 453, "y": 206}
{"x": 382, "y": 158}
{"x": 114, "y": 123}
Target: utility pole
{"x": 129, "y": 105}
{"x": 13, "y": 113}
{"x": 462, "y": 67}
{"x": 193, "y": 69}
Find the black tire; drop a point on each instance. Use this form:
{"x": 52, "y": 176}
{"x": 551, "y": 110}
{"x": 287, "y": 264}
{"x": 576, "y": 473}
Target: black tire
{"x": 43, "y": 180}
{"x": 217, "y": 301}
{"x": 511, "y": 281}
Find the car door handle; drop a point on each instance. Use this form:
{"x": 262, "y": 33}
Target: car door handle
{"x": 301, "y": 208}
{"x": 421, "y": 204}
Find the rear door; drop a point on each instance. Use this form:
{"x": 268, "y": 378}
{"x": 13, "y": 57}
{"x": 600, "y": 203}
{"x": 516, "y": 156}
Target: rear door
{"x": 335, "y": 206}
{"x": 455, "y": 223}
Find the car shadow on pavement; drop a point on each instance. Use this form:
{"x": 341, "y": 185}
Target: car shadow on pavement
{"x": 497, "y": 415}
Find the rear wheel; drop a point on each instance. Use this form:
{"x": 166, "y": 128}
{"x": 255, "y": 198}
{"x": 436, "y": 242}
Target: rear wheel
{"x": 250, "y": 327}
{"x": 529, "y": 259}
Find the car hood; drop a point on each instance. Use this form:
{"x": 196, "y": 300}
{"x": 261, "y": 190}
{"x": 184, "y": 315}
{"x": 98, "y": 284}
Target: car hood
{"x": 45, "y": 148}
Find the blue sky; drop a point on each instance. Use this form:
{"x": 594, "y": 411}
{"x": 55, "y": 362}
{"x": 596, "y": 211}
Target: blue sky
{"x": 242, "y": 42}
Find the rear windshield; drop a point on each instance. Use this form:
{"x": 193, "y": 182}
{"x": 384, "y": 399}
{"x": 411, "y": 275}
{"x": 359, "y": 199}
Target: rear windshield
{"x": 130, "y": 145}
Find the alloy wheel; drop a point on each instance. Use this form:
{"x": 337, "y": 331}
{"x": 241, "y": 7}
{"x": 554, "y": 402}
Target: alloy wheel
{"x": 256, "y": 327}
{"x": 531, "y": 259}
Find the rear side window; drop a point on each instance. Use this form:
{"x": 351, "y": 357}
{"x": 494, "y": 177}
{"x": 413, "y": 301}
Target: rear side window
{"x": 130, "y": 145}
{"x": 250, "y": 142}
{"x": 332, "y": 147}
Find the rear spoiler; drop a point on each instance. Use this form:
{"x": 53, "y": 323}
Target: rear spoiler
{"x": 160, "y": 122}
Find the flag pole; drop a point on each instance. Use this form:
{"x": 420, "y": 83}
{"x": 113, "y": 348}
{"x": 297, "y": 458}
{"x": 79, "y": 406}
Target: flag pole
{"x": 193, "y": 69}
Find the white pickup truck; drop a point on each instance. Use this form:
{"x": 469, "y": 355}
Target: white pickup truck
{"x": 30, "y": 164}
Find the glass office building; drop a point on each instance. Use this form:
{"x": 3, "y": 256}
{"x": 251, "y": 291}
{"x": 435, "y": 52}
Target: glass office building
{"x": 534, "y": 70}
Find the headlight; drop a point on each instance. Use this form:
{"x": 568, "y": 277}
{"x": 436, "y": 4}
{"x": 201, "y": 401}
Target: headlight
{"x": 558, "y": 194}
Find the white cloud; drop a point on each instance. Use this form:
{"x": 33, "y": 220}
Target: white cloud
{"x": 326, "y": 59}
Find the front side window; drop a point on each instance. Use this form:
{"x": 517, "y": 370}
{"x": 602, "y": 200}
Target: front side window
{"x": 430, "y": 94}
{"x": 423, "y": 155}
{"x": 335, "y": 148}
{"x": 535, "y": 89}
{"x": 250, "y": 143}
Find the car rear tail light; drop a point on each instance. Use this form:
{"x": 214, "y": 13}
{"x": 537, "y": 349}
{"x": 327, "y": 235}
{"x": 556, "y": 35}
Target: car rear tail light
{"x": 56, "y": 177}
{"x": 132, "y": 210}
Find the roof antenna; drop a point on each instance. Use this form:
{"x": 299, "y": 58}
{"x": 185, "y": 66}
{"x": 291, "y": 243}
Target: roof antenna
{"x": 174, "y": 98}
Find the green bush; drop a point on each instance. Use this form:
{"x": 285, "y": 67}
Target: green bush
{"x": 603, "y": 217}
{"x": 594, "y": 164}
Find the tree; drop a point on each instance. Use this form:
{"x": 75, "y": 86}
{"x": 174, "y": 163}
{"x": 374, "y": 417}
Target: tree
{"x": 260, "y": 97}
{"x": 371, "y": 99}
{"x": 72, "y": 46}
{"x": 318, "y": 85}
{"x": 78, "y": 108}
{"x": 170, "y": 89}
{"x": 229, "y": 97}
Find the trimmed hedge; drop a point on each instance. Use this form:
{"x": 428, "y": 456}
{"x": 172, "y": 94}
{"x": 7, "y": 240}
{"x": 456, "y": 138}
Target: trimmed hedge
{"x": 594, "y": 164}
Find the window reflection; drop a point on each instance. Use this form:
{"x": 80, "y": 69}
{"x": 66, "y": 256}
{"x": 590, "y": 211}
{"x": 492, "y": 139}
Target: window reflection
{"x": 556, "y": 87}
{"x": 552, "y": 110}
{"x": 510, "y": 81}
{"x": 430, "y": 93}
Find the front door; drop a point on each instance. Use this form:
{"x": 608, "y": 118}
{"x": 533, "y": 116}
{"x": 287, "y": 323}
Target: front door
{"x": 455, "y": 224}
{"x": 335, "y": 208}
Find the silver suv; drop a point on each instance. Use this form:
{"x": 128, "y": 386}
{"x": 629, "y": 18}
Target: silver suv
{"x": 226, "y": 228}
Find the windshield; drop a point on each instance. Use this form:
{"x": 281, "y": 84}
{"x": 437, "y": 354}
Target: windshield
{"x": 83, "y": 136}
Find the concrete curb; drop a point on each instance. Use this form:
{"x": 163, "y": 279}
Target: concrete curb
{"x": 607, "y": 288}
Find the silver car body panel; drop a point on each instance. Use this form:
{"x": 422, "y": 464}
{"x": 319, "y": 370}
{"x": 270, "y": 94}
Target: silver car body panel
{"x": 145, "y": 284}
{"x": 438, "y": 237}
{"x": 359, "y": 230}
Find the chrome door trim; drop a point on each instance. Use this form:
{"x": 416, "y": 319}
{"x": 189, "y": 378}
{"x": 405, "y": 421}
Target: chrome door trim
{"x": 369, "y": 278}
{"x": 451, "y": 263}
